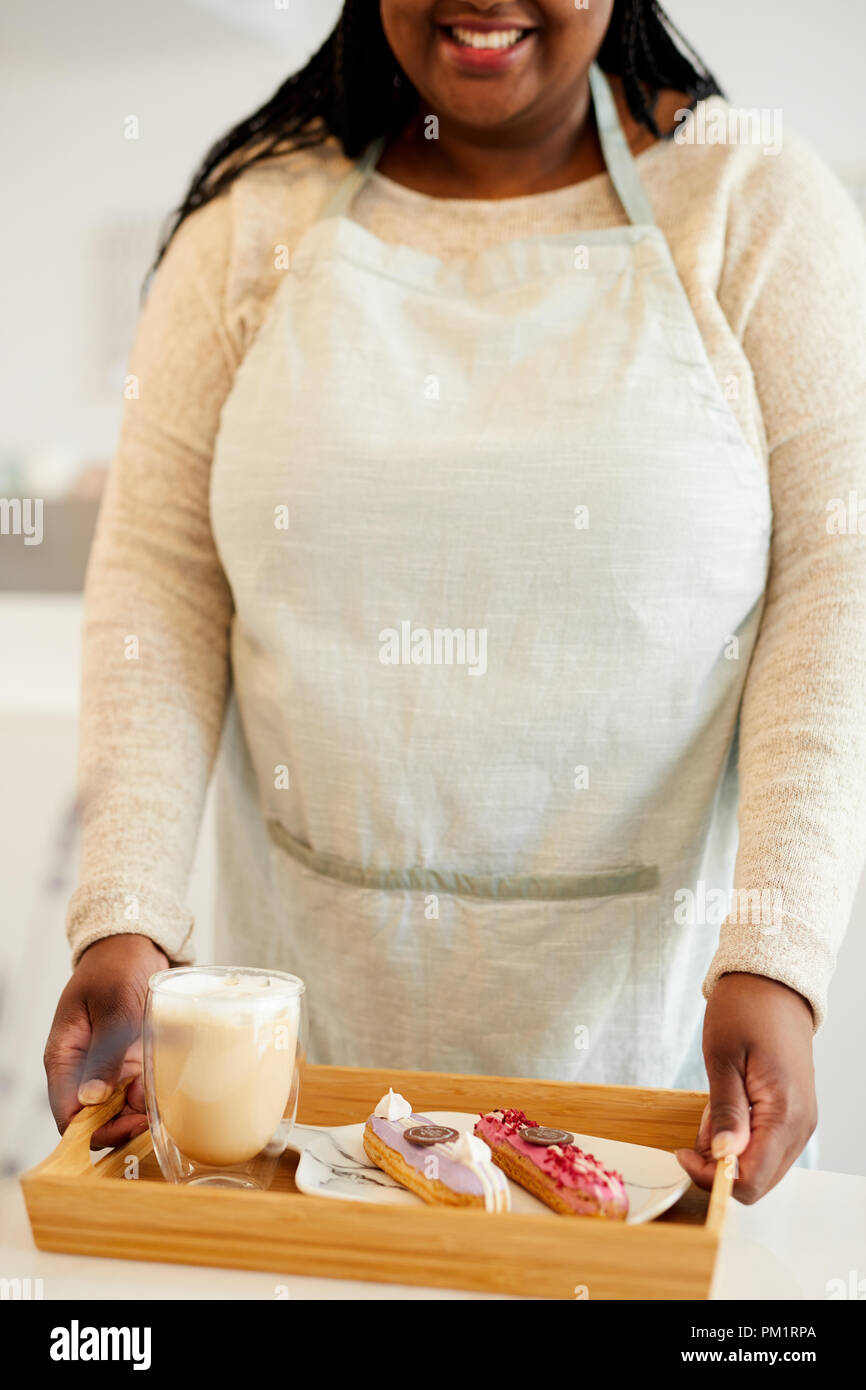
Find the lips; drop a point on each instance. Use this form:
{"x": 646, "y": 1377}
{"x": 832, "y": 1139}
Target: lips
{"x": 484, "y": 45}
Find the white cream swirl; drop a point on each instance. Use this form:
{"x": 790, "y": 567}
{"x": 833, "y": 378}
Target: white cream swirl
{"x": 475, "y": 1155}
{"x": 469, "y": 1149}
{"x": 392, "y": 1107}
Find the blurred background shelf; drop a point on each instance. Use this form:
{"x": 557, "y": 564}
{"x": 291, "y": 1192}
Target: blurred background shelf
{"x": 58, "y": 563}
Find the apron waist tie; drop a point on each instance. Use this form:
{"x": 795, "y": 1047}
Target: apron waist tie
{"x": 604, "y": 883}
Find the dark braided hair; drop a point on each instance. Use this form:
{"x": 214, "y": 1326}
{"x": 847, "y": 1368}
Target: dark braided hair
{"x": 646, "y": 49}
{"x": 354, "y": 89}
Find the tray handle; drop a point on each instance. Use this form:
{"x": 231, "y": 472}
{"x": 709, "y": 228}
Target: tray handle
{"x": 723, "y": 1184}
{"x": 71, "y": 1158}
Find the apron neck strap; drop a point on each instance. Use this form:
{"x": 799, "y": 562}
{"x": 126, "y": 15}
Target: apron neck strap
{"x": 351, "y": 184}
{"x": 617, "y": 156}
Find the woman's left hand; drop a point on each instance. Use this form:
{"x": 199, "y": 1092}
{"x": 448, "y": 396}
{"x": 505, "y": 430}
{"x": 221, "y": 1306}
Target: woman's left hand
{"x": 758, "y": 1054}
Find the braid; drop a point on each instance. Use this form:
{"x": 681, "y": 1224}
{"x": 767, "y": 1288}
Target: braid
{"x": 644, "y": 46}
{"x": 633, "y": 43}
{"x": 353, "y": 89}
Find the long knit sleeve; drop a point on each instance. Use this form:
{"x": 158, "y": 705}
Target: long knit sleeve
{"x": 794, "y": 286}
{"x": 157, "y": 613}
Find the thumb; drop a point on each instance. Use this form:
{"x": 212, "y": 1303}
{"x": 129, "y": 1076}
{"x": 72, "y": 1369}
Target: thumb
{"x": 730, "y": 1128}
{"x": 114, "y": 1028}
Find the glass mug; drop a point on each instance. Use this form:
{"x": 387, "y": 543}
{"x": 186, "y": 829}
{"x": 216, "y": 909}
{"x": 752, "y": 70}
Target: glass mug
{"x": 223, "y": 1050}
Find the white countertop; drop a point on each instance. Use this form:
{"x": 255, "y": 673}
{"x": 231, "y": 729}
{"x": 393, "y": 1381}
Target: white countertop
{"x": 808, "y": 1231}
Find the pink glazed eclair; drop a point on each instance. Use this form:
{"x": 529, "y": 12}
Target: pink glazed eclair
{"x": 548, "y": 1163}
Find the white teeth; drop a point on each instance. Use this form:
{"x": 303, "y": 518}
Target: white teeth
{"x": 491, "y": 38}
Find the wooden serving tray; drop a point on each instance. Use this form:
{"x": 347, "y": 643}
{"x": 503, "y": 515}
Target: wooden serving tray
{"x": 87, "y": 1208}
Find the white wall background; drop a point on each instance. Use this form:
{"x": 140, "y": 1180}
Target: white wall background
{"x": 69, "y": 76}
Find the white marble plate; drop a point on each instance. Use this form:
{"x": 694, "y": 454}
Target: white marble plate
{"x": 333, "y": 1164}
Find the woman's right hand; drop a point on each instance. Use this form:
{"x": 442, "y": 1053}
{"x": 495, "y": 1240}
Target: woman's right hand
{"x": 95, "y": 1039}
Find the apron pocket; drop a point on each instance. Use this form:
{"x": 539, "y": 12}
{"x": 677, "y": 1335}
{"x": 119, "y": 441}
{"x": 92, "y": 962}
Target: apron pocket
{"x": 555, "y": 976}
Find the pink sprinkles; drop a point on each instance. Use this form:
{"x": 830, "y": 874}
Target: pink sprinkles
{"x": 567, "y": 1158}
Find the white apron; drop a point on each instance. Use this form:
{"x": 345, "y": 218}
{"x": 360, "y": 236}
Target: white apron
{"x": 498, "y": 549}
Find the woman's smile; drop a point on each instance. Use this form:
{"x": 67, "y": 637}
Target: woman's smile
{"x": 480, "y": 46}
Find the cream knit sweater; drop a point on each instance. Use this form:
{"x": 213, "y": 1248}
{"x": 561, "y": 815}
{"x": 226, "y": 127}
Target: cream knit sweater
{"x": 772, "y": 256}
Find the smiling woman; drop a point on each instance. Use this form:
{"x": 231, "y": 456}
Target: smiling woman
{"x": 485, "y": 875}
{"x": 371, "y": 76}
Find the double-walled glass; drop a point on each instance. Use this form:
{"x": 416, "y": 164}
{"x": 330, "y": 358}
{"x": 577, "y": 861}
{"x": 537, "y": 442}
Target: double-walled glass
{"x": 223, "y": 1051}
